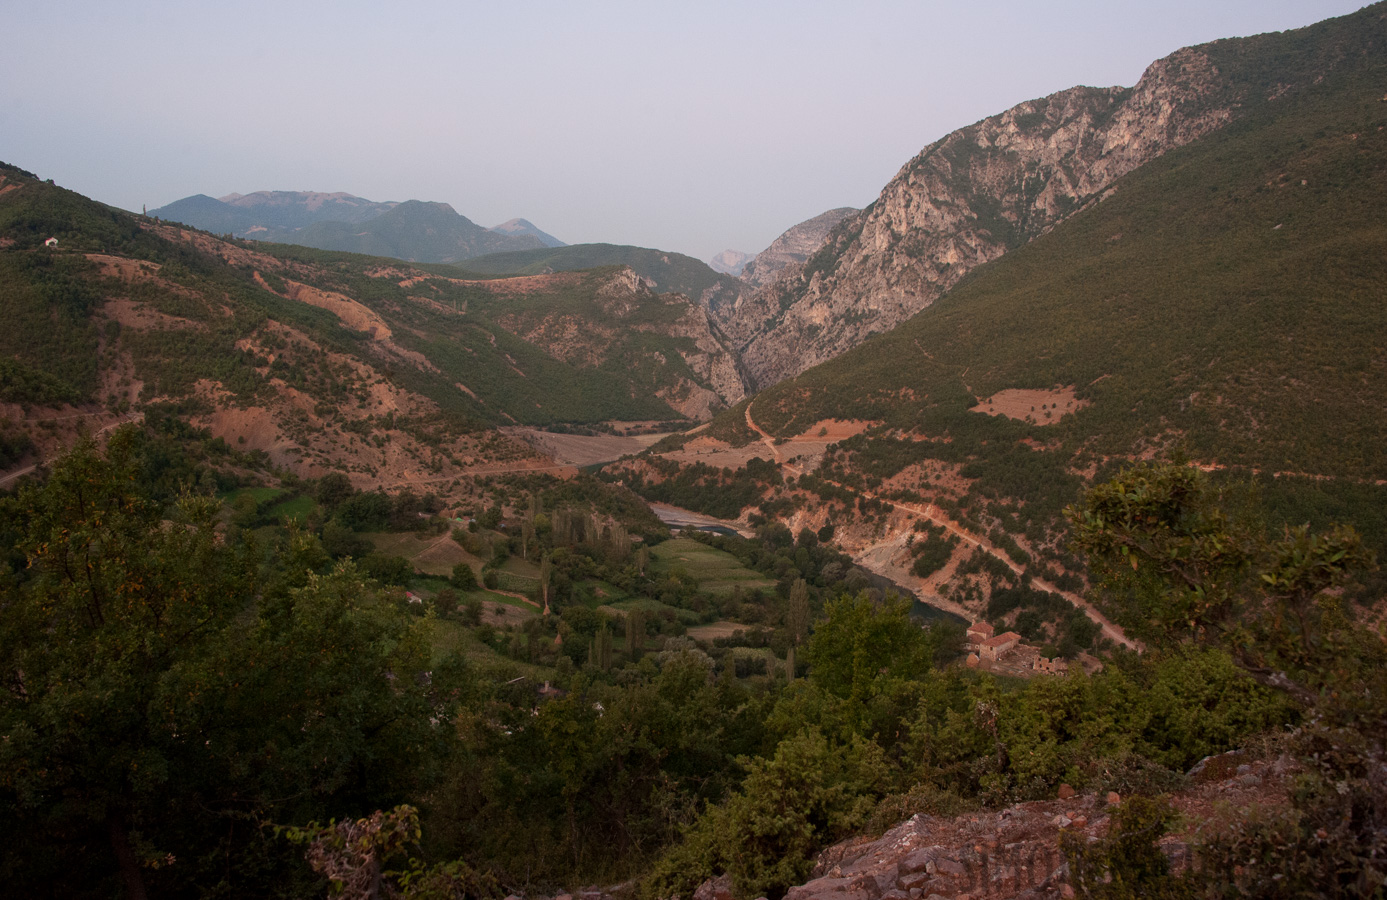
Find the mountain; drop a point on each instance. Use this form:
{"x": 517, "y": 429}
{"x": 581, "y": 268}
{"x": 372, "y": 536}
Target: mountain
{"x": 1223, "y": 301}
{"x": 297, "y": 209}
{"x": 268, "y": 212}
{"x": 793, "y": 247}
{"x": 663, "y": 271}
{"x": 324, "y": 361}
{"x": 729, "y": 262}
{"x": 989, "y": 188}
{"x": 517, "y": 227}
{"x": 413, "y": 230}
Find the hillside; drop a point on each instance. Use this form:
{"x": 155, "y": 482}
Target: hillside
{"x": 1224, "y": 301}
{"x": 415, "y": 231}
{"x": 324, "y": 361}
{"x": 987, "y": 189}
{"x": 268, "y": 212}
{"x": 664, "y": 272}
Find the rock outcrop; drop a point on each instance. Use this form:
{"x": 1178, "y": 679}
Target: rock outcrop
{"x": 967, "y": 199}
{"x": 1015, "y": 852}
{"x": 793, "y": 247}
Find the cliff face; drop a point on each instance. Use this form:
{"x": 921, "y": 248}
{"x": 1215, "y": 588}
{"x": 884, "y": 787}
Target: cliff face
{"x": 793, "y": 247}
{"x": 965, "y": 200}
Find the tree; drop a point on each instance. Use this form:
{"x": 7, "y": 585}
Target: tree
{"x": 546, "y": 576}
{"x": 1188, "y": 571}
{"x": 857, "y": 641}
{"x": 159, "y": 698}
{"x": 797, "y": 615}
{"x": 1193, "y": 572}
{"x": 464, "y": 579}
{"x": 635, "y": 633}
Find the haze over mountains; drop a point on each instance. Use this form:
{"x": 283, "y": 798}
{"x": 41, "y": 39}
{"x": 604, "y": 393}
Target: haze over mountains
{"x": 414, "y": 230}
{"x": 1188, "y": 273}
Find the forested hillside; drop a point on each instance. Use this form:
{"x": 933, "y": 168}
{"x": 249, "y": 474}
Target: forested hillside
{"x": 206, "y": 698}
{"x": 322, "y": 360}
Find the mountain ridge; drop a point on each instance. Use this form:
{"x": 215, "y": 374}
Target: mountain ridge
{"x": 982, "y": 190}
{"x": 413, "y": 230}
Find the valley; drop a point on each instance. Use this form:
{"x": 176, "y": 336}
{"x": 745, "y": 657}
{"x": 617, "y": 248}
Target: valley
{"x": 543, "y": 571}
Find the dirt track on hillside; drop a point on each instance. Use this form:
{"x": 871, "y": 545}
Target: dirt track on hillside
{"x": 935, "y": 515}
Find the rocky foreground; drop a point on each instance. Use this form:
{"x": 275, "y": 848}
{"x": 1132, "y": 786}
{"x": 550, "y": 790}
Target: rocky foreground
{"x": 1012, "y": 852}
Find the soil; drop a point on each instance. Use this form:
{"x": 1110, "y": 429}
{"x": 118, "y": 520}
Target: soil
{"x": 716, "y": 453}
{"x": 1036, "y": 407}
{"x": 583, "y": 449}
{"x": 715, "y": 630}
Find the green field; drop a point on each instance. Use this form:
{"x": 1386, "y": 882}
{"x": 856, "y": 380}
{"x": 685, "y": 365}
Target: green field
{"x": 297, "y": 509}
{"x": 716, "y": 571}
{"x": 652, "y": 608}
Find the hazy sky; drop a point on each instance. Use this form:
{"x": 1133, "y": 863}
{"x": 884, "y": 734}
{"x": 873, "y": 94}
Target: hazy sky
{"x": 692, "y": 126}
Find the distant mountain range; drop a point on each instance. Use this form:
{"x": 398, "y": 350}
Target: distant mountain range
{"x": 518, "y": 227}
{"x": 415, "y": 230}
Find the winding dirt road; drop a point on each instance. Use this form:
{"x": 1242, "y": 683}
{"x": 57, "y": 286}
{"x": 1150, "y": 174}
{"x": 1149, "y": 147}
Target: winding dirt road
{"x": 29, "y": 470}
{"x": 932, "y": 513}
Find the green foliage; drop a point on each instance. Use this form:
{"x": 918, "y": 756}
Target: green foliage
{"x": 1197, "y": 573}
{"x": 150, "y": 717}
{"x": 356, "y": 857}
{"x": 858, "y": 640}
{"x": 722, "y": 493}
{"x": 1330, "y": 843}
{"x": 463, "y": 578}
{"x": 932, "y": 554}
{"x": 1126, "y": 864}
{"x": 808, "y": 794}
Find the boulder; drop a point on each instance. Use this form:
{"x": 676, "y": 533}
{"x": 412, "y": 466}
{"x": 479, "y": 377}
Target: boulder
{"x": 719, "y": 888}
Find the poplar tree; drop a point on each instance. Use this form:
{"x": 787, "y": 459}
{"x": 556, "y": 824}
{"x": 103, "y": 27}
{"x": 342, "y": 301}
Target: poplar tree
{"x": 797, "y": 616}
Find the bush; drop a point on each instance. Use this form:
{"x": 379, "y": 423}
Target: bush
{"x": 464, "y": 579}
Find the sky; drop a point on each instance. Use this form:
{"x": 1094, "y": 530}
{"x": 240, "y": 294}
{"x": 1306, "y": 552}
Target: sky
{"x": 692, "y": 126}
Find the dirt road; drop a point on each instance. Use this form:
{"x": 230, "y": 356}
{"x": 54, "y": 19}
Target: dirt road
{"x": 933, "y": 514}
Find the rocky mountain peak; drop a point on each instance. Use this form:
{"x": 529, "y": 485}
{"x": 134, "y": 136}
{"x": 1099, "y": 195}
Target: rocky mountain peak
{"x": 964, "y": 200}
{"x": 793, "y": 247}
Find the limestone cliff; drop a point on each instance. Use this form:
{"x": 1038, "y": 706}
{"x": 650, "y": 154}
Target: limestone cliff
{"x": 967, "y": 199}
{"x": 793, "y": 247}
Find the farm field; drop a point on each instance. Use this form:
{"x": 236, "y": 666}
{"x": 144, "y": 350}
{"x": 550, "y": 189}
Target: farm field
{"x": 716, "y": 571}
{"x": 431, "y": 554}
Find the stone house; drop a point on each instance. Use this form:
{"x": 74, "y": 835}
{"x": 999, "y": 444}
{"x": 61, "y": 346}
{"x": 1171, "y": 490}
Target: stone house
{"x": 994, "y": 647}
